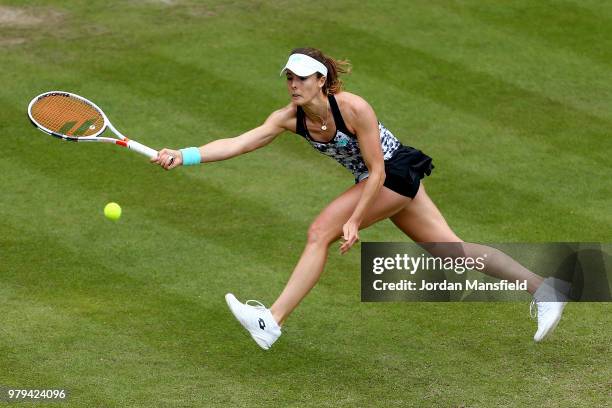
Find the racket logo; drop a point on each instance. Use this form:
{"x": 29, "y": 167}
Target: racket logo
{"x": 55, "y": 94}
{"x": 88, "y": 124}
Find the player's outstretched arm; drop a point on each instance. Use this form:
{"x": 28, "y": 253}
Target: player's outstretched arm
{"x": 223, "y": 149}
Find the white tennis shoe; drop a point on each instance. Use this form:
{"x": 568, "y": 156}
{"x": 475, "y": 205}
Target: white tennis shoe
{"x": 256, "y": 319}
{"x": 549, "y": 314}
{"x": 549, "y": 301}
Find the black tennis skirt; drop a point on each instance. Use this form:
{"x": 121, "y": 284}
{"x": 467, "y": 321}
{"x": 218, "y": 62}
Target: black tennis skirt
{"x": 405, "y": 169}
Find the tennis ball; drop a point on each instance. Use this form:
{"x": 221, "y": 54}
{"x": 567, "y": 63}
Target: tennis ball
{"x": 112, "y": 211}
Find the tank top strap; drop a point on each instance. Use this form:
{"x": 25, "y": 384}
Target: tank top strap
{"x": 300, "y": 125}
{"x": 340, "y": 125}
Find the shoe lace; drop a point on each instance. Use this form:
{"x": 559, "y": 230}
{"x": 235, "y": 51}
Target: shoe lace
{"x": 256, "y": 303}
{"x": 533, "y": 309}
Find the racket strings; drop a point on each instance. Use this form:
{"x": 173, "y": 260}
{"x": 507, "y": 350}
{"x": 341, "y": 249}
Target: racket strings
{"x": 67, "y": 115}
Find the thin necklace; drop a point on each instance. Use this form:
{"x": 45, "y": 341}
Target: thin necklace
{"x": 324, "y": 122}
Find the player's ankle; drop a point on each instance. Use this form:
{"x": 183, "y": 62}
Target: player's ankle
{"x": 533, "y": 284}
{"x": 277, "y": 315}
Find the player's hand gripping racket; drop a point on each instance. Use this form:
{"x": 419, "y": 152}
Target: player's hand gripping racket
{"x": 72, "y": 117}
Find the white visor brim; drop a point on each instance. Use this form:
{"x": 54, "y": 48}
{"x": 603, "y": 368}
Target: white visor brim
{"x": 304, "y": 65}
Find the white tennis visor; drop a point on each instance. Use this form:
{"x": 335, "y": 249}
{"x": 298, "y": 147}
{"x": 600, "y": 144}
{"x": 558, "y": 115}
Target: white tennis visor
{"x": 303, "y": 65}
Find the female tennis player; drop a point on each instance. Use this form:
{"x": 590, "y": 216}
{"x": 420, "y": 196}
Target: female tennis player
{"x": 388, "y": 184}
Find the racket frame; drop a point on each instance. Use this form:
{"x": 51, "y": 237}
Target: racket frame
{"x": 122, "y": 141}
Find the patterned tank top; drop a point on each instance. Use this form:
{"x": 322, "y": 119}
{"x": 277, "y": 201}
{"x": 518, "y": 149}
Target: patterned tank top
{"x": 344, "y": 146}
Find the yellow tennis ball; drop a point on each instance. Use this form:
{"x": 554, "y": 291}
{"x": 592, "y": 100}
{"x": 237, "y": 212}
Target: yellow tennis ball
{"x": 112, "y": 211}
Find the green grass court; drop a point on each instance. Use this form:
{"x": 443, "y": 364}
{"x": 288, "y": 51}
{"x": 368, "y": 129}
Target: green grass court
{"x": 512, "y": 99}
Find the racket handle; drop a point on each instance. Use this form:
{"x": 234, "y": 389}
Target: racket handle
{"x": 142, "y": 149}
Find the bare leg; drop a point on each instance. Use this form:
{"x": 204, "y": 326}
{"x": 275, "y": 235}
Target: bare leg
{"x": 422, "y": 221}
{"x": 326, "y": 229}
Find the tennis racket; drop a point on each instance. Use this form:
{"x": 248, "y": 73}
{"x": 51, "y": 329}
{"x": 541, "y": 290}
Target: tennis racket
{"x": 71, "y": 117}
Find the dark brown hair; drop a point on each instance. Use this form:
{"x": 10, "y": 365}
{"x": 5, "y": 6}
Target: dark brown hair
{"x": 333, "y": 84}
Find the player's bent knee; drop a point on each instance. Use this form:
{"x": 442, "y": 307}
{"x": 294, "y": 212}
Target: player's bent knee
{"x": 445, "y": 249}
{"x": 318, "y": 233}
